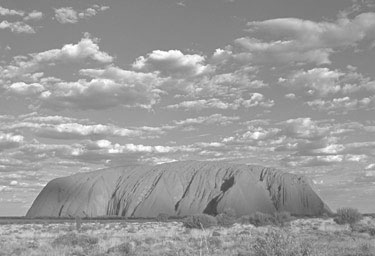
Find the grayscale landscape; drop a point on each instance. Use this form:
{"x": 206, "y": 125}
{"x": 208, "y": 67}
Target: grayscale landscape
{"x": 184, "y": 127}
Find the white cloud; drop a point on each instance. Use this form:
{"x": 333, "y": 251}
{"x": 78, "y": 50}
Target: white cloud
{"x": 76, "y": 130}
{"x": 312, "y": 161}
{"x": 89, "y": 12}
{"x": 324, "y": 82}
{"x": 17, "y": 27}
{"x": 108, "y": 87}
{"x": 212, "y": 119}
{"x": 13, "y": 183}
{"x": 66, "y": 15}
{"x": 227, "y": 83}
{"x": 202, "y": 104}
{"x": 304, "y": 40}
{"x": 22, "y": 88}
{"x": 317, "y": 81}
{"x": 6, "y": 11}
{"x": 370, "y": 170}
{"x": 305, "y": 128}
{"x": 65, "y": 128}
{"x": 292, "y": 40}
{"x": 172, "y": 63}
{"x": 86, "y": 48}
{"x": 100, "y": 94}
{"x": 24, "y": 67}
{"x": 259, "y": 133}
{"x": 341, "y": 105}
{"x": 112, "y": 87}
{"x": 9, "y": 140}
{"x": 290, "y": 96}
{"x": 255, "y": 100}
{"x": 34, "y": 16}
{"x": 300, "y": 142}
{"x": 35, "y": 118}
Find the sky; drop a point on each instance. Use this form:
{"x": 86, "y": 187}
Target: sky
{"x": 91, "y": 84}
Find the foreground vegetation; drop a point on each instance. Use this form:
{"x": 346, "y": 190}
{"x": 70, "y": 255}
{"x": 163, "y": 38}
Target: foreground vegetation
{"x": 258, "y": 235}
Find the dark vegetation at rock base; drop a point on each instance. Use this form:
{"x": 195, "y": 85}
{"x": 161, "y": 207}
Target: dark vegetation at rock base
{"x": 347, "y": 216}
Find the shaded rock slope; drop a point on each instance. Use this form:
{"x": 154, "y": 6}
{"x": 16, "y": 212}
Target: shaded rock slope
{"x": 178, "y": 189}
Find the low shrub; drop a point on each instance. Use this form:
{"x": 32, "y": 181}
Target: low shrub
{"x": 347, "y": 216}
{"x": 361, "y": 228}
{"x": 280, "y": 243}
{"x": 162, "y": 217}
{"x": 72, "y": 239}
{"x": 229, "y": 212}
{"x": 125, "y": 248}
{"x": 281, "y": 218}
{"x": 244, "y": 219}
{"x": 261, "y": 219}
{"x": 365, "y": 249}
{"x": 227, "y": 218}
{"x": 200, "y": 221}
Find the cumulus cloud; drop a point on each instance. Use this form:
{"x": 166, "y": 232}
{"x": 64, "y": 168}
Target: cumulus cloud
{"x": 256, "y": 133}
{"x": 318, "y": 143}
{"x": 22, "y": 88}
{"x": 77, "y": 130}
{"x": 305, "y": 128}
{"x": 301, "y": 142}
{"x": 227, "y": 83}
{"x": 324, "y": 82}
{"x": 200, "y": 104}
{"x": 317, "y": 81}
{"x": 159, "y": 73}
{"x": 34, "y": 16}
{"x": 132, "y": 148}
{"x": 257, "y": 99}
{"x": 192, "y": 124}
{"x": 296, "y": 40}
{"x": 254, "y": 100}
{"x": 26, "y": 66}
{"x": 370, "y": 170}
{"x": 6, "y": 11}
{"x": 342, "y": 105}
{"x": 102, "y": 152}
{"x": 212, "y": 119}
{"x": 68, "y": 15}
{"x": 65, "y": 128}
{"x": 9, "y": 140}
{"x": 86, "y": 48}
{"x": 111, "y": 87}
{"x": 290, "y": 96}
{"x": 17, "y": 27}
{"x": 172, "y": 63}
{"x": 312, "y": 161}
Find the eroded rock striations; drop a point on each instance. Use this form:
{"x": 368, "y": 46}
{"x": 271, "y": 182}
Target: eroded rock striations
{"x": 177, "y": 189}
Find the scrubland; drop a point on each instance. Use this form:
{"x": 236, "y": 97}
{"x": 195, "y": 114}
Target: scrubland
{"x": 298, "y": 237}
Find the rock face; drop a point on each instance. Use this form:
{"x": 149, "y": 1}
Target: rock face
{"x": 177, "y": 189}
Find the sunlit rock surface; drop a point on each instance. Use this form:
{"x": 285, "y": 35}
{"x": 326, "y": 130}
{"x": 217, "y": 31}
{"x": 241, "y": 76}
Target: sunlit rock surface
{"x": 178, "y": 189}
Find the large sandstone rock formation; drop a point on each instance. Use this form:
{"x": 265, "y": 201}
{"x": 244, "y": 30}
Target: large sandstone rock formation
{"x": 178, "y": 189}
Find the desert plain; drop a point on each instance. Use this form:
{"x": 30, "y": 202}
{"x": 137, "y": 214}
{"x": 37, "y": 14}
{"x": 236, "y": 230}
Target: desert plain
{"x": 300, "y": 236}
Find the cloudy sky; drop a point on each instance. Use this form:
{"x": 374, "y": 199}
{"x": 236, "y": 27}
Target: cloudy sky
{"x": 98, "y": 83}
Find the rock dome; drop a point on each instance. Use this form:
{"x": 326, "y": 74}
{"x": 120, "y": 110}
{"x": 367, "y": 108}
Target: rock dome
{"x": 177, "y": 189}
